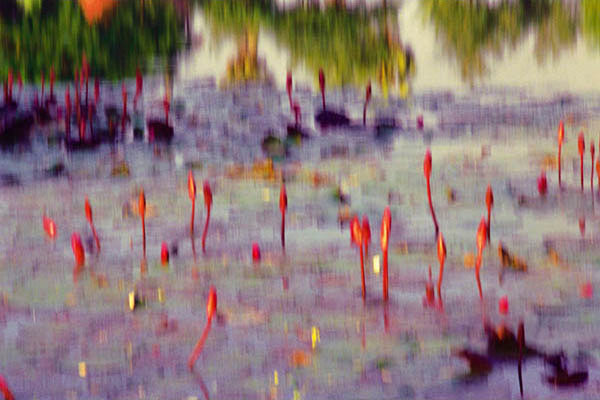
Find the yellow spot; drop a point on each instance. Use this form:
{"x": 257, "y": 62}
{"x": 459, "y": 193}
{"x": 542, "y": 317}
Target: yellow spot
{"x": 315, "y": 336}
{"x": 296, "y": 395}
{"x": 82, "y": 370}
{"x": 266, "y": 195}
{"x": 161, "y": 295}
{"x": 275, "y": 378}
{"x": 131, "y": 300}
{"x": 285, "y": 327}
{"x": 469, "y": 260}
{"x": 376, "y": 266}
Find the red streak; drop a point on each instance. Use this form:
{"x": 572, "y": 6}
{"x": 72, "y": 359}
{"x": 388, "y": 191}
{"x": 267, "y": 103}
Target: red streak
{"x": 322, "y": 86}
{"x": 593, "y": 153}
{"x": 77, "y": 247}
{"x": 255, "y": 252}
{"x": 211, "y": 309}
{"x": 164, "y": 253}
{"x": 386, "y": 226}
{"x": 207, "y": 203}
{"x": 581, "y": 146}
{"x": 5, "y": 390}
{"x": 199, "y": 345}
{"x": 142, "y": 209}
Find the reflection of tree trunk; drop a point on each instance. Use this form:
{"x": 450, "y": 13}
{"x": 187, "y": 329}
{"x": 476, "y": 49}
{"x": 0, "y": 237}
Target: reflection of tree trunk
{"x": 246, "y": 66}
{"x": 251, "y": 43}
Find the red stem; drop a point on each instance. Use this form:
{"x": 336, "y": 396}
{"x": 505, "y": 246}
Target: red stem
{"x": 489, "y": 223}
{"x": 144, "y": 233}
{"x": 385, "y": 275}
{"x": 323, "y": 98}
{"x": 202, "y": 387}
{"x": 581, "y": 170}
{"x": 5, "y": 390}
{"x": 521, "y": 341}
{"x": 199, "y": 345}
{"x": 95, "y": 236}
{"x": 362, "y": 273}
{"x": 441, "y": 276}
{"x": 559, "y": 151}
{"x": 435, "y": 223}
{"x": 193, "y": 247}
{"x": 283, "y": 230}
{"x": 365, "y": 114}
{"x": 205, "y": 230}
{"x": 386, "y": 319}
{"x": 192, "y": 217}
{"x": 592, "y": 178}
{"x": 477, "y": 275}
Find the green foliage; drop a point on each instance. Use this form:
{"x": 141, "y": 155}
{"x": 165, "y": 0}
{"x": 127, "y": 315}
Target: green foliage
{"x": 473, "y": 31}
{"x": 590, "y": 13}
{"x": 57, "y": 35}
{"x": 352, "y": 46}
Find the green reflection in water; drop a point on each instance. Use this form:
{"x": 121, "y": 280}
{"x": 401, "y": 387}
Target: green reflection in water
{"x": 473, "y": 32}
{"x": 352, "y": 46}
{"x": 37, "y": 35}
{"x": 590, "y": 15}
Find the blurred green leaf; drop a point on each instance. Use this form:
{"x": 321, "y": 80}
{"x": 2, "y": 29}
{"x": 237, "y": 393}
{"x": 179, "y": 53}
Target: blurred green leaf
{"x": 56, "y": 34}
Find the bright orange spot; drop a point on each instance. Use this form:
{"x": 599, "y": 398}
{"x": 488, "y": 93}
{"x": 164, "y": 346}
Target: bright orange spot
{"x": 93, "y": 10}
{"x": 49, "y": 227}
{"x": 207, "y": 194}
{"x": 386, "y": 226}
{"x": 191, "y": 186}
{"x": 142, "y": 203}
{"x": 427, "y": 164}
{"x": 211, "y": 304}
{"x": 561, "y": 132}
{"x": 88, "y": 210}
{"x": 481, "y": 235}
{"x": 356, "y": 231}
{"x": 441, "y": 248}
{"x": 366, "y": 230}
{"x": 300, "y": 358}
{"x": 489, "y": 197}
